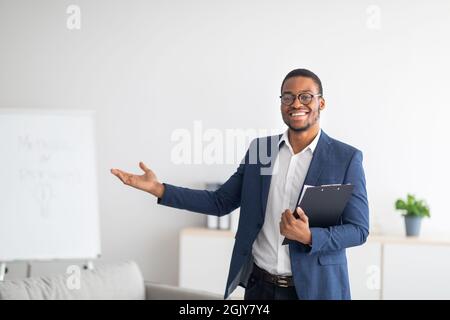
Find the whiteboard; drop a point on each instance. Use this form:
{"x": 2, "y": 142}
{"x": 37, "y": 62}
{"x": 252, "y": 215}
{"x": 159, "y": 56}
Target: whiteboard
{"x": 48, "y": 186}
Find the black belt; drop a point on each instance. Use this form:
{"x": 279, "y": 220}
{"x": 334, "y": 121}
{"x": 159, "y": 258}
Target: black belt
{"x": 280, "y": 281}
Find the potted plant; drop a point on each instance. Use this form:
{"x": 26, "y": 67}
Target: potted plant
{"x": 413, "y": 211}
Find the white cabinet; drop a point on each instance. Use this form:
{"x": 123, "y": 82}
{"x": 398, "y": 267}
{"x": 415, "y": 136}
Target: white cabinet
{"x": 416, "y": 271}
{"x": 383, "y": 268}
{"x": 205, "y": 257}
{"x": 364, "y": 268}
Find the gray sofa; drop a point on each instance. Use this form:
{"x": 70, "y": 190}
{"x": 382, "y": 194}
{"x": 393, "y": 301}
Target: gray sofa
{"x": 120, "y": 281}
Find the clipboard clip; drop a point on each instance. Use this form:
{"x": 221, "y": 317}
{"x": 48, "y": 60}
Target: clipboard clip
{"x": 334, "y": 185}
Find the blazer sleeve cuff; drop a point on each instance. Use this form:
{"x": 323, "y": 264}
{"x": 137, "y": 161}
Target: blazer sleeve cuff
{"x": 319, "y": 237}
{"x": 167, "y": 197}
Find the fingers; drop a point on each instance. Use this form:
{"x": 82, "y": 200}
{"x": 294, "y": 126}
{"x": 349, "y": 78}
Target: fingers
{"x": 287, "y": 222}
{"x": 123, "y": 176}
{"x": 116, "y": 172}
{"x": 143, "y": 167}
{"x": 283, "y": 218}
{"x": 283, "y": 222}
{"x": 287, "y": 217}
{"x": 302, "y": 214}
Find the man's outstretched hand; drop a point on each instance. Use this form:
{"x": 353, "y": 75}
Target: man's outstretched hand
{"x": 146, "y": 182}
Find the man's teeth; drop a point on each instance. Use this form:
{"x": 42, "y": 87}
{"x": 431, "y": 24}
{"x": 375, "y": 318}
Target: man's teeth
{"x": 298, "y": 114}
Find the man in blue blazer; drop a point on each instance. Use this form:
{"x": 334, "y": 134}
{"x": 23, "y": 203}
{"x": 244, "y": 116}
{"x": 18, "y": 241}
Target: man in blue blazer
{"x": 265, "y": 186}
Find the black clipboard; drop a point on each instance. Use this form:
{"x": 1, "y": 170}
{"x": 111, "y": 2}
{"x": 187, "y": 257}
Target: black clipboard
{"x": 324, "y": 204}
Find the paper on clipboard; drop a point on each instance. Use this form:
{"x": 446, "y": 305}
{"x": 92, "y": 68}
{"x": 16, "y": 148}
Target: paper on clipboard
{"x": 305, "y": 187}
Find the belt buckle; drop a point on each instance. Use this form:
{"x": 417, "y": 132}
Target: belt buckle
{"x": 282, "y": 282}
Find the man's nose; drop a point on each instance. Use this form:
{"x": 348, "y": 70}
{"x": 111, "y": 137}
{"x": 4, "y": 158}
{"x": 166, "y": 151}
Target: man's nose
{"x": 296, "y": 103}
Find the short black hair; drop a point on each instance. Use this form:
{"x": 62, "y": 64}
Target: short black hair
{"x": 304, "y": 73}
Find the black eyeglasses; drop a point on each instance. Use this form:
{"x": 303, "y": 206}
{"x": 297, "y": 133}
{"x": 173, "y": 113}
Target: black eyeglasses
{"x": 304, "y": 98}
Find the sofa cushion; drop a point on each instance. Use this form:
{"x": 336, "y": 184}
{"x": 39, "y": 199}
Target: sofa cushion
{"x": 115, "y": 281}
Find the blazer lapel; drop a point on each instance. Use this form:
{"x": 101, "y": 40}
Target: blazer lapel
{"x": 319, "y": 159}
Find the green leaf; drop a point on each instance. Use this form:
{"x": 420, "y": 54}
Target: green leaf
{"x": 413, "y": 207}
{"x": 400, "y": 204}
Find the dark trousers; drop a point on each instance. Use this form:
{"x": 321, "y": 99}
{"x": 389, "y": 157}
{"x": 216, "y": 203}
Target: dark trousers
{"x": 259, "y": 289}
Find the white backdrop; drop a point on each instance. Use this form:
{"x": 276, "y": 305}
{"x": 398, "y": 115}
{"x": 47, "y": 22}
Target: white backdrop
{"x": 151, "y": 67}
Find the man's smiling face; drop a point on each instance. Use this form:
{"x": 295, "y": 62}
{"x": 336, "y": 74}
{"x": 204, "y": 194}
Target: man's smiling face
{"x": 297, "y": 116}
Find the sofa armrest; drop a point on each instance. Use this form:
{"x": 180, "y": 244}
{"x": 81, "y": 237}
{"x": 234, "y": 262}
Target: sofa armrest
{"x": 156, "y": 291}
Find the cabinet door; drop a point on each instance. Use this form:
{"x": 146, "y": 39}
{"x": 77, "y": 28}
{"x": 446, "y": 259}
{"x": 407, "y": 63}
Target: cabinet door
{"x": 364, "y": 267}
{"x": 416, "y": 271}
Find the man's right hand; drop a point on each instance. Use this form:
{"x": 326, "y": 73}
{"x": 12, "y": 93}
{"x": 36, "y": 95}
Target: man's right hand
{"x": 146, "y": 182}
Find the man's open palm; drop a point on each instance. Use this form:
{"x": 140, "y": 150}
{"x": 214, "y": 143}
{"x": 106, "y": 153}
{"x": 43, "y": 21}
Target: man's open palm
{"x": 146, "y": 182}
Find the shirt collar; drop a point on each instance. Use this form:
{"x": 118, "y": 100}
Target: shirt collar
{"x": 312, "y": 146}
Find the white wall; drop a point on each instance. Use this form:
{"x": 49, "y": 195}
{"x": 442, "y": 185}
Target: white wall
{"x": 150, "y": 67}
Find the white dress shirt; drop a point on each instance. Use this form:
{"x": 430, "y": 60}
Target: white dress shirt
{"x": 268, "y": 251}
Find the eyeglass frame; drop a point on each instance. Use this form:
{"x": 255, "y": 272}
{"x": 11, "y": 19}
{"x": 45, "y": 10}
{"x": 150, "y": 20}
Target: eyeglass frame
{"x": 298, "y": 97}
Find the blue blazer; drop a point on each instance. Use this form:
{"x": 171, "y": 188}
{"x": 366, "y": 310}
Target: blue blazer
{"x": 319, "y": 272}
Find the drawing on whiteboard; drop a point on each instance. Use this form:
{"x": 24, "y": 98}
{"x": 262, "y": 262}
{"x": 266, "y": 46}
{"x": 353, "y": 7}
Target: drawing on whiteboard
{"x": 46, "y": 178}
{"x": 29, "y": 143}
{"x": 41, "y": 184}
{"x": 44, "y": 195}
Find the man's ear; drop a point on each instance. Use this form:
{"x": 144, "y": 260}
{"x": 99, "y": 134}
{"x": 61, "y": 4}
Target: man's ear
{"x": 321, "y": 104}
